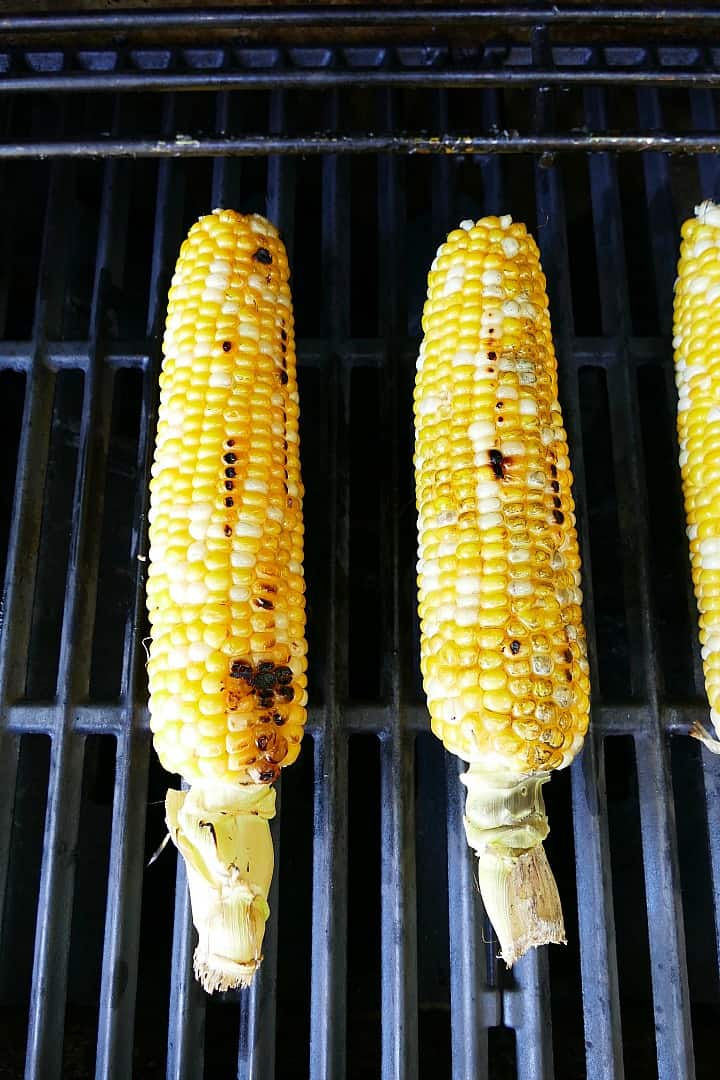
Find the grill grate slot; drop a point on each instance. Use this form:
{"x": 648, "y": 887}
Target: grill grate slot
{"x": 378, "y": 958}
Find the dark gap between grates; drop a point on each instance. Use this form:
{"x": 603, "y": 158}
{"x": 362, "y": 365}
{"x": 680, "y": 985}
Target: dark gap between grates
{"x": 317, "y": 512}
{"x": 222, "y": 1029}
{"x": 88, "y": 917}
{"x": 520, "y": 194}
{"x": 421, "y": 241}
{"x": 18, "y": 928}
{"x": 631, "y": 929}
{"x": 369, "y": 484}
{"x": 638, "y": 218}
{"x": 686, "y": 186}
{"x": 82, "y": 244}
{"x": 125, "y": 314}
{"x": 415, "y": 110}
{"x": 502, "y": 1057}
{"x": 295, "y": 918}
{"x": 25, "y": 186}
{"x": 363, "y": 913}
{"x": 156, "y": 926}
{"x": 610, "y": 619}
{"x": 306, "y": 112}
{"x": 565, "y": 984}
{"x": 701, "y": 945}
{"x": 366, "y": 248}
{"x": 117, "y": 571}
{"x": 12, "y": 395}
{"x": 669, "y": 555}
{"x": 307, "y": 269}
{"x": 582, "y": 256}
{"x": 58, "y": 511}
{"x": 432, "y": 907}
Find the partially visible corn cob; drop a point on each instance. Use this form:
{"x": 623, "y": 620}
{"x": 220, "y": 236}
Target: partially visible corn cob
{"x": 696, "y": 343}
{"x": 225, "y": 588}
{"x": 503, "y": 647}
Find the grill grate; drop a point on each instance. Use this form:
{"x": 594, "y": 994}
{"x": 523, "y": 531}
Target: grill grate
{"x": 378, "y": 935}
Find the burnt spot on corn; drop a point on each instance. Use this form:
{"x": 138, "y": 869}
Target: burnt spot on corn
{"x": 230, "y": 458}
{"x": 229, "y": 502}
{"x": 262, "y": 255}
{"x": 261, "y": 602}
{"x": 278, "y": 719}
{"x": 558, "y": 517}
{"x": 266, "y": 775}
{"x": 283, "y": 335}
{"x": 555, "y": 486}
{"x": 230, "y": 473}
{"x": 285, "y": 693}
{"x": 568, "y": 675}
{"x": 567, "y": 656}
{"x": 556, "y": 502}
{"x": 265, "y": 680}
{"x": 241, "y": 669}
{"x": 283, "y": 377}
{"x": 515, "y": 647}
{"x": 553, "y": 470}
{"x": 230, "y": 442}
{"x": 229, "y": 485}
{"x": 267, "y": 588}
{"x": 497, "y": 463}
{"x": 227, "y": 346}
{"x": 261, "y": 742}
{"x": 283, "y": 675}
{"x": 492, "y": 357}
{"x": 227, "y": 530}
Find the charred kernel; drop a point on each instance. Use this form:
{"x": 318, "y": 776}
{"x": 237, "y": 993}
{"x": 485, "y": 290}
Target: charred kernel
{"x": 555, "y": 485}
{"x": 230, "y": 472}
{"x": 230, "y": 459}
{"x": 229, "y": 502}
{"x": 267, "y": 588}
{"x": 268, "y": 775}
{"x": 265, "y": 680}
{"x": 261, "y": 742}
{"x": 229, "y": 485}
{"x": 492, "y": 357}
{"x": 277, "y": 752}
{"x": 568, "y": 675}
{"x": 265, "y": 665}
{"x": 266, "y": 699}
{"x": 285, "y": 693}
{"x": 283, "y": 377}
{"x": 553, "y": 470}
{"x": 278, "y": 718}
{"x": 567, "y": 656}
{"x": 240, "y": 669}
{"x": 230, "y": 442}
{"x": 227, "y": 530}
{"x": 497, "y": 462}
{"x": 558, "y": 516}
{"x": 515, "y": 647}
{"x": 227, "y": 346}
{"x": 261, "y": 602}
{"x": 283, "y": 675}
{"x": 556, "y": 501}
{"x": 262, "y": 255}
{"x": 283, "y": 335}
{"x": 499, "y": 404}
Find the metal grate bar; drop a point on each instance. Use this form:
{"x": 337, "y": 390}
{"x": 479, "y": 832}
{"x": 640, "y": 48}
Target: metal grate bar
{"x": 122, "y": 928}
{"x": 328, "y": 989}
{"x": 52, "y": 943}
{"x": 526, "y": 1008}
{"x": 666, "y": 939}
{"x": 260, "y": 145}
{"x": 596, "y": 922}
{"x": 397, "y": 750}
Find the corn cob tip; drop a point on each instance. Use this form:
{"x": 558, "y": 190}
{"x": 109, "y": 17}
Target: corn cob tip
{"x": 223, "y": 833}
{"x": 506, "y": 823}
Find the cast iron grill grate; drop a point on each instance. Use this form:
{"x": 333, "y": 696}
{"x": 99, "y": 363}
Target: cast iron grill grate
{"x": 378, "y": 937}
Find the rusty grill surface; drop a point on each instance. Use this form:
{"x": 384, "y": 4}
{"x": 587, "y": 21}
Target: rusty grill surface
{"x": 365, "y": 136}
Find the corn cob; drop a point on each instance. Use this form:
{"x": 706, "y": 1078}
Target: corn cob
{"x": 502, "y": 643}
{"x": 225, "y": 589}
{"x": 697, "y": 375}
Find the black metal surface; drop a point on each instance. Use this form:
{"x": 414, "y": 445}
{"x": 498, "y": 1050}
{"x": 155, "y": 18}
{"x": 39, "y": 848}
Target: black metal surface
{"x": 378, "y": 960}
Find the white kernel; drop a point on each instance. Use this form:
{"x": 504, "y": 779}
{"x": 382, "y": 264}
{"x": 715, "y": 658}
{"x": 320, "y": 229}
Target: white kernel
{"x": 489, "y": 521}
{"x": 196, "y": 592}
{"x": 428, "y": 404}
{"x": 491, "y": 277}
{"x": 199, "y": 529}
{"x": 520, "y": 588}
{"x": 482, "y": 433}
{"x": 505, "y": 221}
{"x": 199, "y": 651}
{"x": 486, "y": 488}
{"x": 246, "y": 528}
{"x": 242, "y": 560}
{"x": 468, "y": 585}
{"x": 197, "y": 552}
{"x": 519, "y": 554}
{"x": 200, "y": 511}
{"x": 467, "y": 225}
{"x": 541, "y": 664}
{"x": 510, "y": 246}
{"x": 177, "y": 658}
{"x": 708, "y": 213}
{"x": 239, "y": 594}
{"x": 511, "y": 308}
{"x": 528, "y": 406}
{"x": 220, "y": 379}
{"x": 489, "y": 505}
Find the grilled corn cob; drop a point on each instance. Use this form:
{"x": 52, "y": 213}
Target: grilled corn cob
{"x": 697, "y": 374}
{"x": 502, "y": 642}
{"x": 225, "y": 588}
